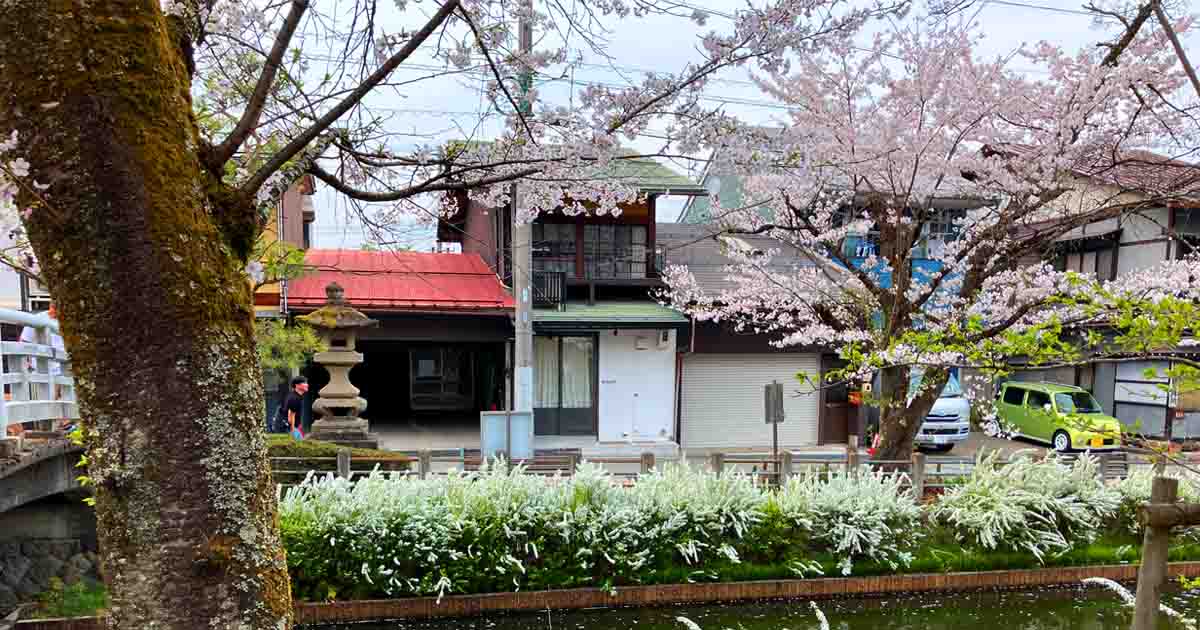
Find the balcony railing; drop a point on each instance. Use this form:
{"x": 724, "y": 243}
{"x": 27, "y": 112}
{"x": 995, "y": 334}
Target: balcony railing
{"x": 549, "y": 289}
{"x": 603, "y": 266}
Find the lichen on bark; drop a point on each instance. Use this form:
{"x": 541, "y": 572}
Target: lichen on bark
{"x": 141, "y": 249}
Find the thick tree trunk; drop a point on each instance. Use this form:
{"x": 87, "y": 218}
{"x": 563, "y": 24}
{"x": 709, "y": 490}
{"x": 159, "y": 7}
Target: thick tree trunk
{"x": 899, "y": 421}
{"x": 155, "y": 309}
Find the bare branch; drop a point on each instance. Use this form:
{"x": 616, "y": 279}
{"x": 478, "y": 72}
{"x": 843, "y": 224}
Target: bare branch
{"x": 404, "y": 193}
{"x": 1179, "y": 52}
{"x": 322, "y": 124}
{"x": 221, "y": 153}
{"x": 520, "y": 111}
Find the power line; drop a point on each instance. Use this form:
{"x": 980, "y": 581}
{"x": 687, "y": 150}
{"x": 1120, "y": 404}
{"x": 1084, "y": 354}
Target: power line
{"x": 1011, "y": 3}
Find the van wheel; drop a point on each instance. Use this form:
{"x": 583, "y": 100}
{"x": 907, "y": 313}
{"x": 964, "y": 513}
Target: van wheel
{"x": 1062, "y": 441}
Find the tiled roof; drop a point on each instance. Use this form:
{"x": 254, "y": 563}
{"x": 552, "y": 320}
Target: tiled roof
{"x": 695, "y": 246}
{"x": 400, "y": 281}
{"x": 1136, "y": 170}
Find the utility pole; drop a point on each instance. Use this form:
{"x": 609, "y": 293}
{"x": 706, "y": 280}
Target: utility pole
{"x": 522, "y": 252}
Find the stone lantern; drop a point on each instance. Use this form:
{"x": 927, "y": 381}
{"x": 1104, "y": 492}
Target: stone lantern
{"x": 338, "y": 403}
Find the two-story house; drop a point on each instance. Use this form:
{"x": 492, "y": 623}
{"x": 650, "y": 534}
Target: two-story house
{"x": 1168, "y": 229}
{"x": 606, "y": 354}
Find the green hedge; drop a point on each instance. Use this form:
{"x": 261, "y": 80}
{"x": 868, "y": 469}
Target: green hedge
{"x": 279, "y": 445}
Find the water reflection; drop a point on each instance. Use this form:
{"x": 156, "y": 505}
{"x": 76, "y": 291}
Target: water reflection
{"x": 1046, "y": 609}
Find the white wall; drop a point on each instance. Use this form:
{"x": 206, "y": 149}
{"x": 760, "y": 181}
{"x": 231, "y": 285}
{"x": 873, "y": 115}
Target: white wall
{"x": 637, "y": 387}
{"x": 10, "y": 288}
{"x": 10, "y": 280}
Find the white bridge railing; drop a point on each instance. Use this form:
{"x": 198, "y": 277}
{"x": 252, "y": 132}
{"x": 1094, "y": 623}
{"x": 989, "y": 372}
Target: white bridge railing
{"x": 36, "y": 377}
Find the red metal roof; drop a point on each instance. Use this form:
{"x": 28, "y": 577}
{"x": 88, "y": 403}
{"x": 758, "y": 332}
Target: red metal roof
{"x": 400, "y": 281}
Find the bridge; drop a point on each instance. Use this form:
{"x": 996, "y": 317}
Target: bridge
{"x": 43, "y": 469}
{"x": 38, "y": 392}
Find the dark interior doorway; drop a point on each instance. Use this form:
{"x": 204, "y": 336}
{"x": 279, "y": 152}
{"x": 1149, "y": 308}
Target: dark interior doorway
{"x": 429, "y": 383}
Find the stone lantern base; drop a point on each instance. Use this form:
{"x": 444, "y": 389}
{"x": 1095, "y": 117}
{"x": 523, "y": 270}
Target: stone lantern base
{"x": 344, "y": 431}
{"x": 339, "y": 423}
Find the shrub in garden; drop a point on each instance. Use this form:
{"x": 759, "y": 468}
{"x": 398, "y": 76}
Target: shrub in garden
{"x": 864, "y": 515}
{"x": 1042, "y": 507}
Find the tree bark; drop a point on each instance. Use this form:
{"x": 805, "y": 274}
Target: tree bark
{"x": 142, "y": 251}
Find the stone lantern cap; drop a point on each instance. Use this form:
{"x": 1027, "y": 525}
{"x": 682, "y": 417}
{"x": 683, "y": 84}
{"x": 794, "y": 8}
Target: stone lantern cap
{"x": 336, "y": 315}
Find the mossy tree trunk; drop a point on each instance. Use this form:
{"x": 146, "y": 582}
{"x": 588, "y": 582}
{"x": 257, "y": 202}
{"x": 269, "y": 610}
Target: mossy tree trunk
{"x": 144, "y": 252}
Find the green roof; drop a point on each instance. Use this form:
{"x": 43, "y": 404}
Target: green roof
{"x": 610, "y": 315}
{"x": 649, "y": 175}
{"x": 1049, "y": 388}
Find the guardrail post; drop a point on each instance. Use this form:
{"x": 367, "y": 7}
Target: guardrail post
{"x": 785, "y": 467}
{"x": 1102, "y": 466}
{"x": 716, "y": 461}
{"x": 343, "y": 463}
{"x": 647, "y": 462}
{"x": 852, "y": 454}
{"x": 424, "y": 463}
{"x": 573, "y": 460}
{"x": 917, "y": 475}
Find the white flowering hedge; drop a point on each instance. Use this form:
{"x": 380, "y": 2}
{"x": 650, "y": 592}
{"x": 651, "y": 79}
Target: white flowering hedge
{"x": 502, "y": 530}
{"x": 1042, "y": 507}
{"x": 1134, "y": 491}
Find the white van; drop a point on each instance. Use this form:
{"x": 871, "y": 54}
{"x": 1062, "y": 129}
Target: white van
{"x": 949, "y": 420}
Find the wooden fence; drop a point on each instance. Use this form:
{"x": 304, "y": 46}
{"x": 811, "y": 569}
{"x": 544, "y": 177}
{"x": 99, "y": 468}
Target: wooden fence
{"x": 921, "y": 472}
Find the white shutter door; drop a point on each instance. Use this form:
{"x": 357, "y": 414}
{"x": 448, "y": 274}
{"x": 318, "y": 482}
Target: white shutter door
{"x": 723, "y": 400}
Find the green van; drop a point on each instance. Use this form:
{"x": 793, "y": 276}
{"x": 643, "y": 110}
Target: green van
{"x": 1063, "y": 415}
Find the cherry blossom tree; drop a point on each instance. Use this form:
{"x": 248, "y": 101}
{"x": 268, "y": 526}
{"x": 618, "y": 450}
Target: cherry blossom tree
{"x": 144, "y": 142}
{"x": 927, "y": 185}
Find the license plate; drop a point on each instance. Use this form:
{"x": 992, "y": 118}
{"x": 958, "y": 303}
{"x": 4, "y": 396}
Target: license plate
{"x": 940, "y": 439}
{"x": 1097, "y": 442}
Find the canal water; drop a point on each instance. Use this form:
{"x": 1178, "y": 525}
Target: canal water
{"x": 1047, "y": 609}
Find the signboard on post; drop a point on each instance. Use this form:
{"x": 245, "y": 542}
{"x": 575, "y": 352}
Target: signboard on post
{"x": 774, "y": 403}
{"x": 773, "y": 406}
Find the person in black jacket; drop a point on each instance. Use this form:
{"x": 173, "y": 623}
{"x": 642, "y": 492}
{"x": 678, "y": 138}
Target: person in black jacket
{"x": 291, "y": 413}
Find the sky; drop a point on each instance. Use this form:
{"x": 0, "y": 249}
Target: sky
{"x": 453, "y": 107}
